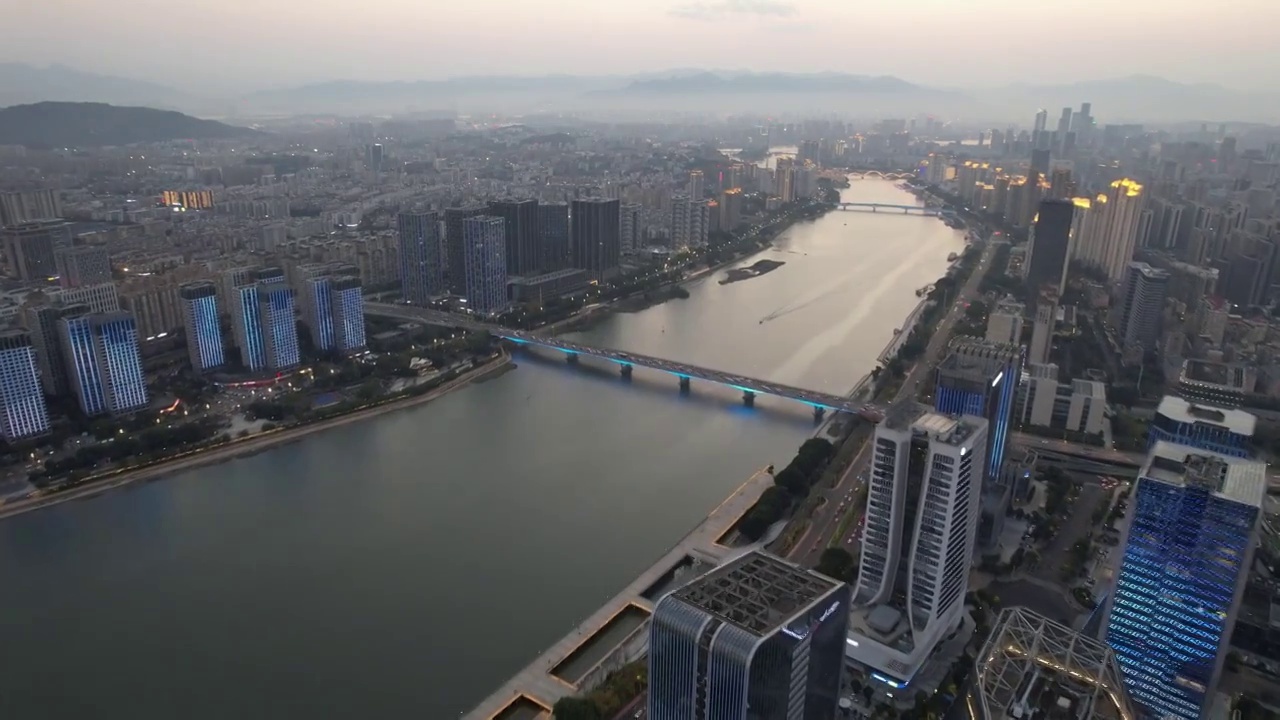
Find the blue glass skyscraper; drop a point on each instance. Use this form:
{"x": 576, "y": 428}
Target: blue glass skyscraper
{"x": 755, "y": 638}
{"x": 204, "y": 330}
{"x": 278, "y": 324}
{"x": 104, "y": 363}
{"x": 980, "y": 377}
{"x": 334, "y": 312}
{"x": 1187, "y": 549}
{"x": 23, "y": 412}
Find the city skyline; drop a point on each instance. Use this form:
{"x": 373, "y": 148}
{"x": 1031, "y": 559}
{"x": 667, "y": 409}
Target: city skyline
{"x": 1177, "y": 41}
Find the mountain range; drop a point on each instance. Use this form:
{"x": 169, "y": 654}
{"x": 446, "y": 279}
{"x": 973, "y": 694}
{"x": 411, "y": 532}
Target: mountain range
{"x": 67, "y": 124}
{"x": 1135, "y": 98}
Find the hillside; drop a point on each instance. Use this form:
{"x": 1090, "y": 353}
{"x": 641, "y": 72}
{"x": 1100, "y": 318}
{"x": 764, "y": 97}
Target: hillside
{"x": 68, "y": 124}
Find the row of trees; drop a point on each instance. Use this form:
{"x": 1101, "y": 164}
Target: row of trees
{"x": 620, "y": 688}
{"x": 792, "y": 483}
{"x": 136, "y": 447}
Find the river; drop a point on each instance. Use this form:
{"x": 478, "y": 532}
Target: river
{"x": 406, "y": 565}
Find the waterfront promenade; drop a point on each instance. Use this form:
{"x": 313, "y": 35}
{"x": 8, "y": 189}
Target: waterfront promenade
{"x": 537, "y": 682}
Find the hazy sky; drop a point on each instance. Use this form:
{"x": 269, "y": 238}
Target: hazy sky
{"x": 226, "y": 45}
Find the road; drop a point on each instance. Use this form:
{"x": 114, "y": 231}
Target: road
{"x": 1036, "y": 442}
{"x": 826, "y": 519}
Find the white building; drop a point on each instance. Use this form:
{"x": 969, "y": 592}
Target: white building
{"x": 1004, "y": 324}
{"x": 1077, "y": 406}
{"x": 918, "y": 540}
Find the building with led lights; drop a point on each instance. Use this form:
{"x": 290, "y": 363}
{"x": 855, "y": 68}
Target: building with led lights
{"x": 203, "y": 328}
{"x": 918, "y": 538}
{"x": 756, "y": 637}
{"x": 1033, "y": 667}
{"x": 484, "y": 249}
{"x": 1215, "y": 429}
{"x": 333, "y": 309}
{"x": 23, "y": 412}
{"x": 1109, "y": 229}
{"x": 104, "y": 364}
{"x": 279, "y": 328}
{"x": 979, "y": 377}
{"x": 246, "y": 318}
{"x": 1187, "y": 548}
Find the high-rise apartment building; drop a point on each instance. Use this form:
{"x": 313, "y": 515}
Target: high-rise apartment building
{"x": 333, "y": 309}
{"x": 31, "y": 248}
{"x": 23, "y": 412}
{"x": 596, "y": 237}
{"x": 421, "y": 257}
{"x": 730, "y": 209}
{"x": 454, "y": 249}
{"x": 1112, "y": 234}
{"x": 756, "y": 637}
{"x": 18, "y": 208}
{"x": 279, "y": 327}
{"x": 1049, "y": 246}
{"x": 83, "y": 265}
{"x": 980, "y": 378}
{"x": 485, "y": 255}
{"x": 629, "y": 226}
{"x": 1142, "y": 306}
{"x": 521, "y": 229}
{"x": 1042, "y": 328}
{"x": 696, "y": 191}
{"x": 918, "y": 538}
{"x": 1187, "y": 550}
{"x": 104, "y": 364}
{"x": 42, "y": 322}
{"x": 203, "y": 328}
{"x": 553, "y": 228}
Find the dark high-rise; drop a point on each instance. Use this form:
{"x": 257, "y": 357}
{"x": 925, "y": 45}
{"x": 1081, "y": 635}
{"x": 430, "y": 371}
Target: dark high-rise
{"x": 455, "y": 267}
{"x": 524, "y": 254}
{"x": 979, "y": 377}
{"x": 755, "y": 638}
{"x": 1040, "y": 162}
{"x": 1050, "y": 245}
{"x": 596, "y": 233}
{"x": 553, "y": 223}
{"x": 421, "y": 270}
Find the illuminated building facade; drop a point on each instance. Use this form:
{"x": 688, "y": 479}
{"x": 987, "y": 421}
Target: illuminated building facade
{"x": 1219, "y": 430}
{"x": 979, "y": 377}
{"x": 103, "y": 362}
{"x": 279, "y": 328}
{"x": 1187, "y": 550}
{"x": 188, "y": 199}
{"x": 334, "y": 313}
{"x": 203, "y": 329}
{"x": 1111, "y": 235}
{"x": 756, "y": 637}
{"x": 23, "y": 412}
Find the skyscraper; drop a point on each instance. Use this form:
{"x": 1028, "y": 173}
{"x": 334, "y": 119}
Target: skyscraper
{"x": 1111, "y": 235}
{"x": 919, "y": 536}
{"x": 696, "y": 185}
{"x": 279, "y": 328}
{"x": 596, "y": 237}
{"x": 246, "y": 321}
{"x": 18, "y": 208}
{"x": 1039, "y": 163}
{"x": 485, "y": 256}
{"x": 83, "y": 265}
{"x": 1038, "y": 137}
{"x": 421, "y": 266}
{"x": 1050, "y": 245}
{"x": 756, "y": 637}
{"x": 980, "y": 378}
{"x": 1187, "y": 550}
{"x": 23, "y": 413}
{"x": 31, "y": 248}
{"x": 522, "y": 225}
{"x": 629, "y": 228}
{"x": 333, "y": 309}
{"x": 204, "y": 331}
{"x": 553, "y": 225}
{"x": 454, "y": 249}
{"x": 42, "y": 322}
{"x": 103, "y": 362}
{"x": 1142, "y": 305}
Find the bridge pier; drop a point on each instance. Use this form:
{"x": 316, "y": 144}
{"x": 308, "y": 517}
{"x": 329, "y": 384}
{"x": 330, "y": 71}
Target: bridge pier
{"x": 684, "y": 385}
{"x": 625, "y": 370}
{"x": 818, "y": 413}
{"x": 748, "y": 398}
{"x": 571, "y": 358}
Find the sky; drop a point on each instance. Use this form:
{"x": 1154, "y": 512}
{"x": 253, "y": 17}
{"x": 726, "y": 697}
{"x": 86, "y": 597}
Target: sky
{"x": 230, "y": 45}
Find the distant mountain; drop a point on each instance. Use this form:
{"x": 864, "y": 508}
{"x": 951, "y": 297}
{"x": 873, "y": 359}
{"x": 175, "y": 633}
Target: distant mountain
{"x": 65, "y": 124}
{"x": 1137, "y": 98}
{"x": 774, "y": 83}
{"x": 21, "y": 84}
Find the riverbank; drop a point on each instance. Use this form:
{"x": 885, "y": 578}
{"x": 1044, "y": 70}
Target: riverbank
{"x": 760, "y": 267}
{"x": 252, "y": 445}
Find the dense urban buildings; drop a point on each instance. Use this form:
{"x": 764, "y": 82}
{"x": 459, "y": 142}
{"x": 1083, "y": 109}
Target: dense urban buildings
{"x": 921, "y": 525}
{"x": 421, "y": 269}
{"x": 1187, "y": 550}
{"x": 756, "y": 637}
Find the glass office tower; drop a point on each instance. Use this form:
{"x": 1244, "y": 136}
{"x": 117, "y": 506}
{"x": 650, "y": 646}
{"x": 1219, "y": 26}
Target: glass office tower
{"x": 756, "y": 638}
{"x": 204, "y": 330}
{"x": 1188, "y": 546}
{"x": 980, "y": 377}
{"x": 23, "y": 412}
{"x": 104, "y": 363}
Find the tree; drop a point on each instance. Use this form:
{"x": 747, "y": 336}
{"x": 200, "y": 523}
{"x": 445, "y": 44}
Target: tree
{"x": 837, "y": 563}
{"x": 575, "y": 708}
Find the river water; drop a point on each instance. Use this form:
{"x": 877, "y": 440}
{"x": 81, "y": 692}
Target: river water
{"x": 407, "y": 565}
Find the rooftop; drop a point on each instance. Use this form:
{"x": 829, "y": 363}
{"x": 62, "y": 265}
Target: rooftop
{"x": 757, "y": 592}
{"x": 1213, "y": 373}
{"x": 1237, "y": 421}
{"x": 1238, "y": 479}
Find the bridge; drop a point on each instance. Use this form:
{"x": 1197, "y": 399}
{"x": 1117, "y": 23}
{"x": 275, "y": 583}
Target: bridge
{"x": 877, "y": 207}
{"x": 684, "y": 373}
{"x": 859, "y": 174}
